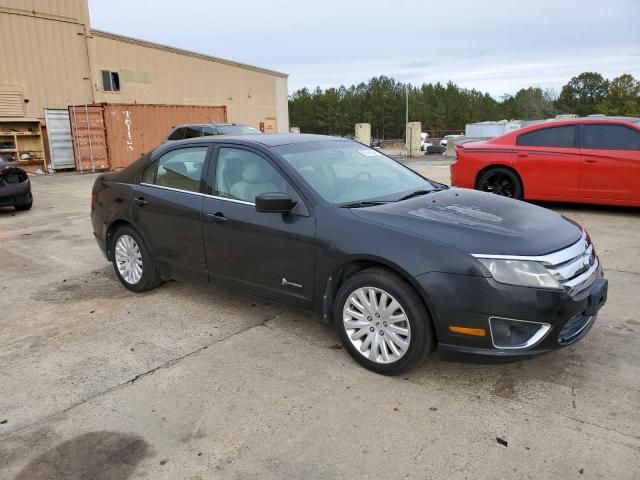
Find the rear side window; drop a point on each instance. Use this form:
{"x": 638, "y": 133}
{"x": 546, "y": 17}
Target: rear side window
{"x": 193, "y": 132}
{"x": 177, "y": 134}
{"x": 563, "y": 137}
{"x": 610, "y": 137}
{"x": 180, "y": 169}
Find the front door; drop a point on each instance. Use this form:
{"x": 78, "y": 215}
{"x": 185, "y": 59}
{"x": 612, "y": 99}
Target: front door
{"x": 166, "y": 209}
{"x": 610, "y": 162}
{"x": 270, "y": 255}
{"x": 548, "y": 160}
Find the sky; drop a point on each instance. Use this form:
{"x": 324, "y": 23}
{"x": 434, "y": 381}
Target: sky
{"x": 496, "y": 46}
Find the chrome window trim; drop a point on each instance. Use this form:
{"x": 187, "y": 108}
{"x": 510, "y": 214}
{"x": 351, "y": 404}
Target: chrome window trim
{"x": 535, "y": 339}
{"x": 555, "y": 258}
{"x": 200, "y": 194}
{"x": 232, "y": 200}
{"x": 170, "y": 188}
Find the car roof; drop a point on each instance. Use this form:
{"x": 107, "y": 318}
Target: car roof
{"x": 265, "y": 139}
{"x": 209, "y": 125}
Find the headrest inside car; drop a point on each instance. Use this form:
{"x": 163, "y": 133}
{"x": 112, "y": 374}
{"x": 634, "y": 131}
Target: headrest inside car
{"x": 257, "y": 172}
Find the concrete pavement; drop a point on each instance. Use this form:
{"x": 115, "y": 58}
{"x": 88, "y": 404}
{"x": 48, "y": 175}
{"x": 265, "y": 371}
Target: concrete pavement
{"x": 192, "y": 382}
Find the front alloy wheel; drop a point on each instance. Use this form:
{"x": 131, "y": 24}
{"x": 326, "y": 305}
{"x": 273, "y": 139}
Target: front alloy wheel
{"x": 382, "y": 321}
{"x": 376, "y": 325}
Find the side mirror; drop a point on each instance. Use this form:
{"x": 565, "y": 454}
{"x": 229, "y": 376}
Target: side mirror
{"x": 274, "y": 203}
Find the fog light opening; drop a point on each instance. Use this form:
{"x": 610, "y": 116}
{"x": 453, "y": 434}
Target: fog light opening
{"x": 507, "y": 333}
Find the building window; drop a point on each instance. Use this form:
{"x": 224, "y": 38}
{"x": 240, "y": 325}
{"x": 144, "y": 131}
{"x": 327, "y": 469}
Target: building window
{"x": 110, "y": 81}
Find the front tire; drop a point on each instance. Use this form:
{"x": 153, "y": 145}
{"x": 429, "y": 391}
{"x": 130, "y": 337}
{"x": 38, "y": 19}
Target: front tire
{"x": 132, "y": 261}
{"x": 382, "y": 322}
{"x": 501, "y": 181}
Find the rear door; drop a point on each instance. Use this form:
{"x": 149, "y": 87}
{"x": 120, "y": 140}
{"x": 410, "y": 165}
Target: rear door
{"x": 166, "y": 208}
{"x": 548, "y": 160}
{"x": 271, "y": 255}
{"x": 610, "y": 162}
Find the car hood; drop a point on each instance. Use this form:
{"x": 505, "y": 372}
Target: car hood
{"x": 477, "y": 222}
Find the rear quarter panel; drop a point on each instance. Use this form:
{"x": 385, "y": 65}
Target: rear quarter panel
{"x": 472, "y": 159}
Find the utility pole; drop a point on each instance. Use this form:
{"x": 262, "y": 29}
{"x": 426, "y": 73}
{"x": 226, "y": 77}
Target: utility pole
{"x": 406, "y": 122}
{"x": 406, "y": 94}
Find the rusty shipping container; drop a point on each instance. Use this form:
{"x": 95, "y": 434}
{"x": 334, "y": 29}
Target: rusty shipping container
{"x": 110, "y": 136}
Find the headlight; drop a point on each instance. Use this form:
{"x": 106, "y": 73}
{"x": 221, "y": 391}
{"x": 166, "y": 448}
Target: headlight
{"x": 520, "y": 272}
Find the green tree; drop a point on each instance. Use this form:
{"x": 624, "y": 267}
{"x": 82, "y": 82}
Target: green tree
{"x": 623, "y": 97}
{"x": 533, "y": 104}
{"x": 583, "y": 94}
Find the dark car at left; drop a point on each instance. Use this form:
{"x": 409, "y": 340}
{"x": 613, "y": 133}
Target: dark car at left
{"x": 327, "y": 226}
{"x": 15, "y": 186}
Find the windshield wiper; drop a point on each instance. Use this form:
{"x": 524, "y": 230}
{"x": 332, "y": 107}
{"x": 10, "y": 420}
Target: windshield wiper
{"x": 416, "y": 193}
{"x": 366, "y": 203}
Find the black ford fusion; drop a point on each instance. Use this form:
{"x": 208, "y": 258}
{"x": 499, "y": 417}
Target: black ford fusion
{"x": 330, "y": 227}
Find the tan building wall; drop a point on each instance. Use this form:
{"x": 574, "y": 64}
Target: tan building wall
{"x": 44, "y": 61}
{"x": 151, "y": 73}
{"x": 51, "y": 59}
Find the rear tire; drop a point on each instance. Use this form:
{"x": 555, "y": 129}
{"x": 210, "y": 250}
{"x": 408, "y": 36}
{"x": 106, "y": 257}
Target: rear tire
{"x": 383, "y": 323}
{"x": 500, "y": 181}
{"x": 25, "y": 206}
{"x": 132, "y": 261}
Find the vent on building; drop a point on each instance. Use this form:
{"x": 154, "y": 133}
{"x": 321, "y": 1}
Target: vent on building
{"x": 11, "y": 102}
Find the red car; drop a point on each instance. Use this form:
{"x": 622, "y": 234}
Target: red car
{"x": 585, "y": 160}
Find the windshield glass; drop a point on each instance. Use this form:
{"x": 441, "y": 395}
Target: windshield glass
{"x": 237, "y": 129}
{"x": 342, "y": 171}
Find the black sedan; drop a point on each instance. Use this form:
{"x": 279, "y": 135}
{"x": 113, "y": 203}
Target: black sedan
{"x": 331, "y": 227}
{"x": 15, "y": 187}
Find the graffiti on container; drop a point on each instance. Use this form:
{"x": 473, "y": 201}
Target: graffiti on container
{"x": 127, "y": 122}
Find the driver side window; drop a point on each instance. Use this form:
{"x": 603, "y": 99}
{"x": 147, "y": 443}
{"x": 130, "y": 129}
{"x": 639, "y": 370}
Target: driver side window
{"x": 243, "y": 175}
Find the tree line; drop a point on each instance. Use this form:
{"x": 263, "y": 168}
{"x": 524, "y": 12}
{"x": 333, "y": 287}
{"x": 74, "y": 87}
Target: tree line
{"x": 446, "y": 108}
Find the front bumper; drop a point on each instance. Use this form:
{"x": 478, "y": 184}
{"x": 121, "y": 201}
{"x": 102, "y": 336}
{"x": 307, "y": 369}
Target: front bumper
{"x": 465, "y": 301}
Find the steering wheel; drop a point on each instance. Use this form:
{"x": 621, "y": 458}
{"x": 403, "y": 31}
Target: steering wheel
{"x": 362, "y": 174}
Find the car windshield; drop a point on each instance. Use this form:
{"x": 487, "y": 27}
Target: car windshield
{"x": 237, "y": 129}
{"x": 343, "y": 171}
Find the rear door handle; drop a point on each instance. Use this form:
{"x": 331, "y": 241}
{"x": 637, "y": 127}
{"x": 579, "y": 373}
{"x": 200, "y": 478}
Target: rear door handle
{"x": 590, "y": 160}
{"x": 140, "y": 201}
{"x": 216, "y": 217}
{"x": 523, "y": 154}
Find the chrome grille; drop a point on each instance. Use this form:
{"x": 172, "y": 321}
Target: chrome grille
{"x": 576, "y": 267}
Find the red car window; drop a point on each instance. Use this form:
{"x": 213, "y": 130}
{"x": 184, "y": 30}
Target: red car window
{"x": 563, "y": 137}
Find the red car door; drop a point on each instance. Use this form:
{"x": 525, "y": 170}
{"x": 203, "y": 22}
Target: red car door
{"x": 610, "y": 162}
{"x": 548, "y": 162}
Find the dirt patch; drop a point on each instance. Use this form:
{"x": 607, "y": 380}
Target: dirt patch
{"x": 91, "y": 285}
{"x": 505, "y": 387}
{"x": 98, "y": 455}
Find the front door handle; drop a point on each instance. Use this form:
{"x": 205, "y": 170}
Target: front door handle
{"x": 216, "y": 217}
{"x": 140, "y": 201}
{"x": 591, "y": 160}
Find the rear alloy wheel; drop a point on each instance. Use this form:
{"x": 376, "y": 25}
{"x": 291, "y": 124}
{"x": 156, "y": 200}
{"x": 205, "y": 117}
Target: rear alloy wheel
{"x": 132, "y": 262}
{"x": 501, "y": 181}
{"x": 382, "y": 322}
